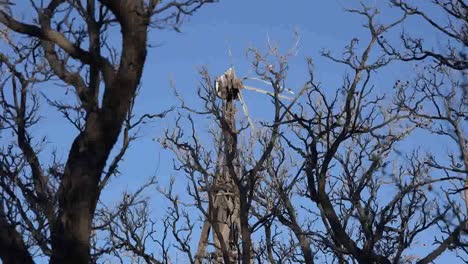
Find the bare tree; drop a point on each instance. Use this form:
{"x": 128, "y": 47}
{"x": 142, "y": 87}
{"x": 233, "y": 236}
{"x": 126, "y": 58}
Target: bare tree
{"x": 347, "y": 140}
{"x": 338, "y": 186}
{"x": 329, "y": 178}
{"x": 67, "y": 41}
{"x": 437, "y": 104}
{"x": 434, "y": 101}
{"x": 450, "y": 26}
{"x": 223, "y": 181}
{"x": 437, "y": 99}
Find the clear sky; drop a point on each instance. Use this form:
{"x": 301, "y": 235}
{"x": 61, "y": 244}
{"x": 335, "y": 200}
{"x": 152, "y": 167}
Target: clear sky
{"x": 205, "y": 40}
{"x": 237, "y": 25}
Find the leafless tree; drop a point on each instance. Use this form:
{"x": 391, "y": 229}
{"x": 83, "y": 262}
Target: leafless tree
{"x": 347, "y": 141}
{"x": 437, "y": 95}
{"x": 230, "y": 167}
{"x": 331, "y": 177}
{"x": 339, "y": 185}
{"x": 448, "y": 19}
{"x": 48, "y": 209}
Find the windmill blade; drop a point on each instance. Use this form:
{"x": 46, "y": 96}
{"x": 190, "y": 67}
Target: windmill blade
{"x": 263, "y": 81}
{"x": 246, "y": 110}
{"x": 266, "y": 92}
{"x": 256, "y": 79}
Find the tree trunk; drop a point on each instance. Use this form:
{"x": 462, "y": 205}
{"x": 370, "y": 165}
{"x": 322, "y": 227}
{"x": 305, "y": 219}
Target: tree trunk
{"x": 78, "y": 192}
{"x": 12, "y": 248}
{"x": 245, "y": 230}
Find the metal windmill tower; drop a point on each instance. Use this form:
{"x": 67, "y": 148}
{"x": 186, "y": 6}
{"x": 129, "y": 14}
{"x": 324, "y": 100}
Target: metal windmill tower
{"x": 223, "y": 210}
{"x": 224, "y": 205}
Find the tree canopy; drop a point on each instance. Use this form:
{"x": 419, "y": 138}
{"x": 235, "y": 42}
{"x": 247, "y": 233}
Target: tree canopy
{"x": 328, "y": 174}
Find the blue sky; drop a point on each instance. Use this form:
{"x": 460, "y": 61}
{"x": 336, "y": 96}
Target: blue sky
{"x": 237, "y": 25}
{"x": 205, "y": 40}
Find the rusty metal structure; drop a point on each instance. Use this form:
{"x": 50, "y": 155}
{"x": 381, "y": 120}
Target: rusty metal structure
{"x": 223, "y": 211}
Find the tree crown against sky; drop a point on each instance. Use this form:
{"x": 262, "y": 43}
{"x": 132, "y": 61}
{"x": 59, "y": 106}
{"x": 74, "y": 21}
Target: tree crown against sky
{"x": 340, "y": 172}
